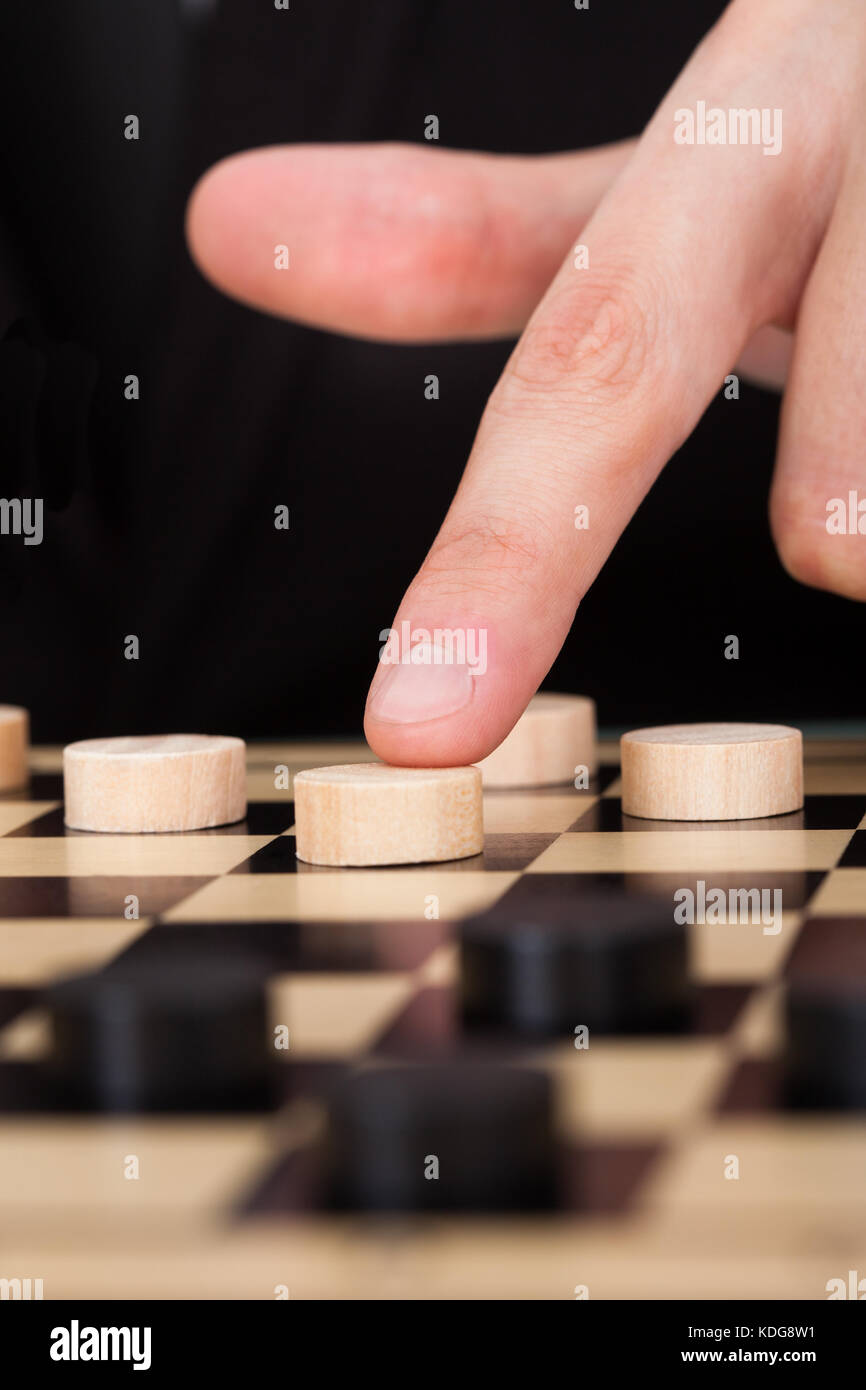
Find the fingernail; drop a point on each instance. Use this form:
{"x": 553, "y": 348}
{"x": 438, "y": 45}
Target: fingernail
{"x": 429, "y": 687}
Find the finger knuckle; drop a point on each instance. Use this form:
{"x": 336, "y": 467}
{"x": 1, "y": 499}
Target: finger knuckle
{"x": 597, "y": 341}
{"x": 820, "y": 560}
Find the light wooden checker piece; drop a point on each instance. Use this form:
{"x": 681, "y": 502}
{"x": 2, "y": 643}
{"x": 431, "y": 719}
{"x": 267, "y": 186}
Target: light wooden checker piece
{"x": 14, "y": 731}
{"x": 145, "y": 785}
{"x": 367, "y": 814}
{"x": 555, "y": 735}
{"x": 714, "y": 772}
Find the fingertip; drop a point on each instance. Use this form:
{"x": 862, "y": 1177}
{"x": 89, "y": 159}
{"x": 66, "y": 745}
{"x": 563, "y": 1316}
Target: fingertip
{"x": 445, "y": 696}
{"x": 413, "y": 720}
{"x": 211, "y": 218}
{"x": 247, "y": 219}
{"x": 422, "y": 745}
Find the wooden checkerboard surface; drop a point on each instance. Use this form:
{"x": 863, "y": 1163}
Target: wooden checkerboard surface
{"x": 362, "y": 971}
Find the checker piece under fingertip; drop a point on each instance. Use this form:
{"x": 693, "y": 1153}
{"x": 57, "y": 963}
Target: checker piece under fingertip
{"x": 367, "y": 814}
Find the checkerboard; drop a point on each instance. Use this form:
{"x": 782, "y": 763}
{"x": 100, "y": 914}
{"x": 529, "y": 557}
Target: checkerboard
{"x": 362, "y": 968}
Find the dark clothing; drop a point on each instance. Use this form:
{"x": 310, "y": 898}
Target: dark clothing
{"x": 161, "y": 520}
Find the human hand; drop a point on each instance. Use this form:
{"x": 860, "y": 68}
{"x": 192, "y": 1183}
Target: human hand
{"x": 696, "y": 255}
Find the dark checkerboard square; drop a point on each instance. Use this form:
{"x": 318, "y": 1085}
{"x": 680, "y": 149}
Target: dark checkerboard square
{"x": 855, "y": 853}
{"x": 262, "y": 818}
{"x": 92, "y": 896}
{"x": 431, "y": 1024}
{"x": 797, "y": 886}
{"x": 13, "y": 1001}
{"x": 298, "y": 947}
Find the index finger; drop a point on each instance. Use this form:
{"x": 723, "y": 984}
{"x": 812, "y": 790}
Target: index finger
{"x": 682, "y": 261}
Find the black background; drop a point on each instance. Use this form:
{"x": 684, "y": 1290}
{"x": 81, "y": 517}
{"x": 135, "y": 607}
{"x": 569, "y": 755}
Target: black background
{"x": 162, "y": 519}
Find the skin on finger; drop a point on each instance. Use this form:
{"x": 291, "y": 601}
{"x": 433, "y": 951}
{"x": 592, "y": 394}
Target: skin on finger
{"x": 822, "y": 442}
{"x": 766, "y": 358}
{"x": 537, "y": 204}
{"x": 686, "y": 260}
{"x": 393, "y": 241}
{"x": 474, "y": 249}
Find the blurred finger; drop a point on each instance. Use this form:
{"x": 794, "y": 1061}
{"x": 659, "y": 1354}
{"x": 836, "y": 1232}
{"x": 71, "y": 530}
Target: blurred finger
{"x": 393, "y": 241}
